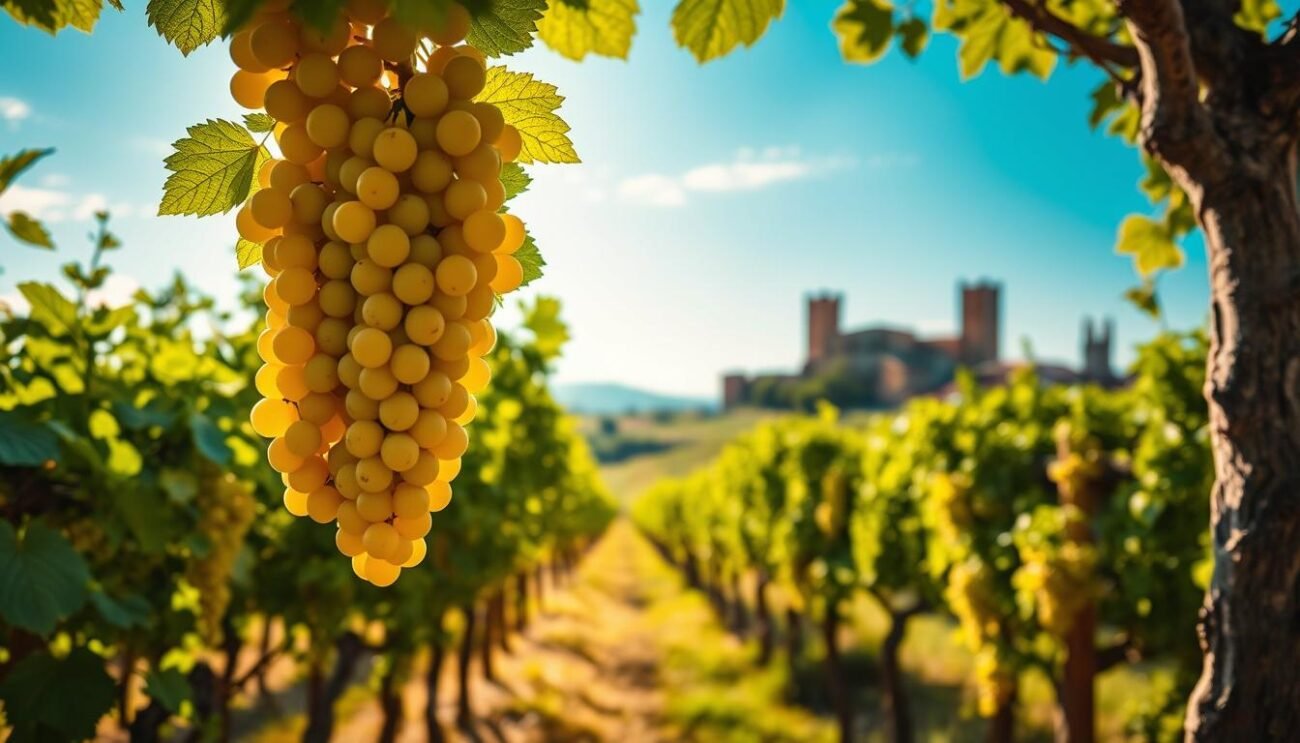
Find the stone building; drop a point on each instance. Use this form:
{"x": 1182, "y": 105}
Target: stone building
{"x": 882, "y": 366}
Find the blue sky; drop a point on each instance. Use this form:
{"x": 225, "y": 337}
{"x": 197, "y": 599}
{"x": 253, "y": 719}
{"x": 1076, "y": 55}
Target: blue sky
{"x": 710, "y": 200}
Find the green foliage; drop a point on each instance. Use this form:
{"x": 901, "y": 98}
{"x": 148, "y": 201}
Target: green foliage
{"x": 247, "y": 253}
{"x": 602, "y": 27}
{"x": 514, "y": 179}
{"x": 258, "y": 123}
{"x": 505, "y": 27}
{"x": 42, "y": 579}
{"x": 25, "y": 229}
{"x": 48, "y": 698}
{"x": 53, "y": 16}
{"x": 11, "y": 166}
{"x": 864, "y": 28}
{"x": 1150, "y": 243}
{"x": 170, "y": 687}
{"x": 212, "y": 170}
{"x": 989, "y": 32}
{"x": 532, "y": 261}
{"x": 529, "y": 105}
{"x": 712, "y": 28}
{"x": 186, "y": 24}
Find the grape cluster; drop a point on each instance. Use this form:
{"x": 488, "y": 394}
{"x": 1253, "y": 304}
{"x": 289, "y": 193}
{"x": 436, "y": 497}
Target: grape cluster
{"x": 383, "y": 234}
{"x": 226, "y": 508}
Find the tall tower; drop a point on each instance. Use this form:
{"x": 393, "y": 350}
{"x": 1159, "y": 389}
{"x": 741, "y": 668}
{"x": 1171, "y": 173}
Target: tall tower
{"x": 980, "y": 322}
{"x": 1096, "y": 350}
{"x": 823, "y": 326}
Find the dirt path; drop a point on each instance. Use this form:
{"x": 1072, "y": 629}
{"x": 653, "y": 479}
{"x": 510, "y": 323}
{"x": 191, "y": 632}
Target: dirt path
{"x": 587, "y": 669}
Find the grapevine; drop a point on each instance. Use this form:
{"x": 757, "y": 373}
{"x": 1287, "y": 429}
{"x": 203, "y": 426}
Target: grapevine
{"x": 386, "y": 244}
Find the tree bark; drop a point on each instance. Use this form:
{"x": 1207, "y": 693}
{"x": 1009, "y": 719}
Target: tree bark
{"x": 464, "y": 713}
{"x": 895, "y": 701}
{"x": 1002, "y": 725}
{"x": 739, "y": 612}
{"x": 793, "y": 647}
{"x": 323, "y": 693}
{"x": 763, "y": 618}
{"x": 836, "y": 685}
{"x": 502, "y": 630}
{"x": 486, "y": 642}
{"x": 1076, "y": 703}
{"x": 1250, "y": 681}
{"x": 390, "y": 704}
{"x": 521, "y": 602}
{"x": 432, "y": 677}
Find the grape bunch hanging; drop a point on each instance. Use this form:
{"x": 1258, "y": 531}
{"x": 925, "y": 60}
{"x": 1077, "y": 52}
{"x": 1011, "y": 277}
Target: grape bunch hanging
{"x": 386, "y": 245}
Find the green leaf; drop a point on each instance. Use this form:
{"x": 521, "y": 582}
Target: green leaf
{"x": 712, "y": 28}
{"x": 210, "y": 440}
{"x": 987, "y": 32}
{"x": 131, "y": 611}
{"x": 1145, "y": 299}
{"x": 531, "y": 260}
{"x": 603, "y": 27}
{"x": 42, "y": 578}
{"x": 319, "y": 14}
{"x": 48, "y": 698}
{"x": 549, "y": 331}
{"x": 1149, "y": 243}
{"x": 1255, "y": 15}
{"x": 515, "y": 179}
{"x": 213, "y": 169}
{"x": 55, "y": 15}
{"x": 186, "y": 24}
{"x": 169, "y": 687}
{"x": 25, "y": 229}
{"x": 49, "y": 307}
{"x": 13, "y": 165}
{"x": 24, "y": 443}
{"x": 913, "y": 36}
{"x": 179, "y": 485}
{"x": 247, "y": 253}
{"x": 529, "y": 105}
{"x": 506, "y": 26}
{"x": 864, "y": 28}
{"x": 259, "y": 123}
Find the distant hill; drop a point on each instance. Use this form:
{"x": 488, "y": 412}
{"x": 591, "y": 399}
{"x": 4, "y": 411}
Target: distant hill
{"x": 596, "y": 398}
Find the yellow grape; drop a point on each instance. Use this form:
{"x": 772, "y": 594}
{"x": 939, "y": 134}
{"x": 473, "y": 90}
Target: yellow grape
{"x": 361, "y": 140}
{"x": 316, "y": 75}
{"x": 509, "y": 144}
{"x": 425, "y": 251}
{"x": 323, "y": 504}
{"x": 514, "y": 238}
{"x": 285, "y": 102}
{"x": 388, "y": 246}
{"x": 410, "y": 214}
{"x": 423, "y": 472}
{"x": 510, "y": 274}
{"x": 458, "y": 133}
{"x": 348, "y": 543}
{"x": 393, "y": 40}
{"x": 409, "y": 500}
{"x": 409, "y": 363}
{"x": 415, "y": 527}
{"x": 418, "y": 551}
{"x": 425, "y": 95}
{"x": 296, "y": 145}
{"x": 454, "y": 26}
{"x": 354, "y": 221}
{"x": 369, "y": 103}
{"x": 373, "y": 475}
{"x": 249, "y": 88}
{"x": 431, "y": 172}
{"x": 462, "y": 198}
{"x": 310, "y": 476}
{"x": 335, "y": 260}
{"x": 399, "y": 452}
{"x": 377, "y": 383}
{"x": 484, "y": 231}
{"x": 413, "y": 284}
{"x": 241, "y": 53}
{"x": 360, "y": 66}
{"x": 427, "y": 429}
{"x": 491, "y": 121}
{"x": 374, "y": 506}
{"x": 455, "y": 275}
{"x": 295, "y": 502}
{"x": 274, "y": 43}
{"x": 309, "y": 202}
{"x": 464, "y": 77}
{"x": 453, "y": 444}
{"x": 364, "y": 438}
{"x": 381, "y": 572}
{"x": 271, "y": 418}
{"x": 432, "y": 391}
{"x": 327, "y": 127}
{"x": 371, "y": 348}
{"x": 377, "y": 188}
{"x": 281, "y": 458}
{"x": 395, "y": 149}
{"x": 439, "y": 496}
{"x": 424, "y": 325}
{"x": 482, "y": 164}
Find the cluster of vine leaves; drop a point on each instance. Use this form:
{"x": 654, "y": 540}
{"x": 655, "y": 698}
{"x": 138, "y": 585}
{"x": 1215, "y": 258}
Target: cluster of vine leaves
{"x": 828, "y": 508}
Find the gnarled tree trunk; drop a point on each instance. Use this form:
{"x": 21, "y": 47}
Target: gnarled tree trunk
{"x": 763, "y": 618}
{"x": 464, "y": 712}
{"x": 390, "y": 703}
{"x": 837, "y": 687}
{"x": 323, "y": 693}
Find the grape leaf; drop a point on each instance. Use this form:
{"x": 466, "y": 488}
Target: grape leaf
{"x": 53, "y": 16}
{"x": 186, "y": 24}
{"x": 712, "y": 28}
{"x": 248, "y": 253}
{"x": 988, "y": 31}
{"x": 1150, "y": 244}
{"x": 259, "y": 123}
{"x": 213, "y": 169}
{"x": 13, "y": 165}
{"x": 48, "y": 698}
{"x": 169, "y": 687}
{"x": 531, "y": 260}
{"x": 210, "y": 440}
{"x": 25, "y": 229}
{"x": 24, "y": 443}
{"x": 1145, "y": 299}
{"x": 603, "y": 27}
{"x": 506, "y": 26}
{"x": 913, "y": 35}
{"x": 50, "y": 308}
{"x": 864, "y": 28}
{"x": 529, "y": 105}
{"x": 515, "y": 180}
{"x": 42, "y": 579}
{"x": 132, "y": 611}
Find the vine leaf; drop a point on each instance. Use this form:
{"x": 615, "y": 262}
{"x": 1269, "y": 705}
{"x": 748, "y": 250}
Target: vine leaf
{"x": 259, "y": 123}
{"x": 529, "y": 105}
{"x": 186, "y": 24}
{"x": 247, "y": 252}
{"x": 12, "y": 166}
{"x": 213, "y": 169}
{"x": 169, "y": 687}
{"x": 1149, "y": 243}
{"x": 52, "y": 16}
{"x": 603, "y": 27}
{"x": 24, "y": 443}
{"x": 42, "y": 578}
{"x": 28, "y": 230}
{"x": 864, "y": 28}
{"x": 712, "y": 28}
{"x": 514, "y": 179}
{"x": 506, "y": 26}
{"x": 48, "y": 698}
{"x": 531, "y": 259}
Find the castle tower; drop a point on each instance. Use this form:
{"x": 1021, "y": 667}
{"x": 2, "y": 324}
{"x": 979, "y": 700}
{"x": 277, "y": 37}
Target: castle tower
{"x": 823, "y": 326}
{"x": 980, "y": 322}
{"x": 735, "y": 390}
{"x": 1096, "y": 351}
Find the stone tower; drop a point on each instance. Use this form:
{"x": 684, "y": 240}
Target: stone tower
{"x": 980, "y": 322}
{"x": 1096, "y": 350}
{"x": 823, "y": 326}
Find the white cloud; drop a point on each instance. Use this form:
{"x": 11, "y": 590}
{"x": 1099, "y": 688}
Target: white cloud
{"x": 118, "y": 290}
{"x": 14, "y": 110}
{"x": 748, "y": 170}
{"x": 54, "y": 180}
{"x": 53, "y": 205}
